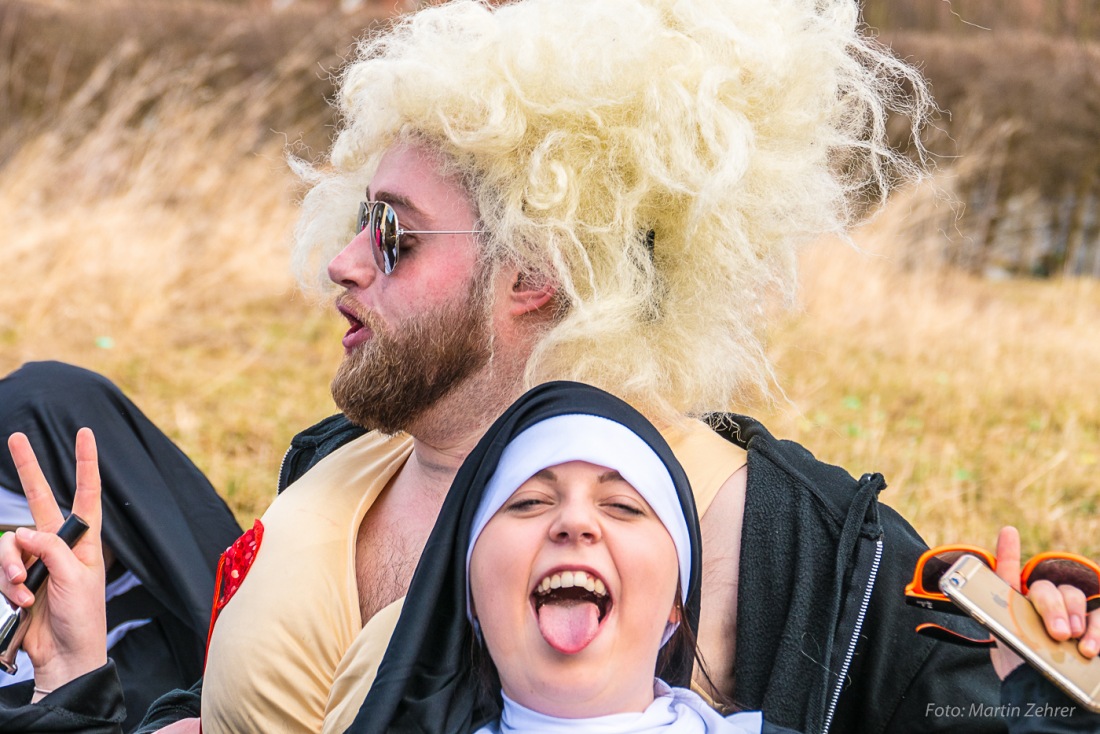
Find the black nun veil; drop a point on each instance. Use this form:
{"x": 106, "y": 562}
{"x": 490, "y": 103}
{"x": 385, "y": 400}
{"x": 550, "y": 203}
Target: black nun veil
{"x": 426, "y": 681}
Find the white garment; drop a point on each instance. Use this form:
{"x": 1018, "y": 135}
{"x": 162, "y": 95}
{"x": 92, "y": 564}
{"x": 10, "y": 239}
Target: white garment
{"x": 14, "y": 511}
{"x": 673, "y": 711}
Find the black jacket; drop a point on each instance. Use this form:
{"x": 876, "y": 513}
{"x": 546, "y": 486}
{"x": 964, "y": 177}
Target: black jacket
{"x": 825, "y": 641}
{"x": 824, "y": 638}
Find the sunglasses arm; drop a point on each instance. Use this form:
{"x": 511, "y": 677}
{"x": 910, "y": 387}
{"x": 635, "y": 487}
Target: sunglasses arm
{"x": 439, "y": 231}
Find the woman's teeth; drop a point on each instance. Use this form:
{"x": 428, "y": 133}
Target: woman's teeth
{"x": 569, "y": 579}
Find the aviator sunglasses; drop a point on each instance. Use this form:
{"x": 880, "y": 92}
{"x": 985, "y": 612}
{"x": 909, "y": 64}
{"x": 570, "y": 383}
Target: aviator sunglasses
{"x": 1058, "y": 567}
{"x": 385, "y": 232}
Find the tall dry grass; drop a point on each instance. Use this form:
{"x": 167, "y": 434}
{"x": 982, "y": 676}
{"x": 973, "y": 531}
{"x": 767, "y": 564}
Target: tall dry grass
{"x": 978, "y": 399}
{"x": 147, "y": 207}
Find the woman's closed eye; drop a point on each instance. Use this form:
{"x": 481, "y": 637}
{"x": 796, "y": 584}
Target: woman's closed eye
{"x": 525, "y": 504}
{"x": 625, "y": 508}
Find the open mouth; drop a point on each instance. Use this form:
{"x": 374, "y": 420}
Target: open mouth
{"x": 355, "y": 323}
{"x": 357, "y": 331}
{"x": 571, "y": 606}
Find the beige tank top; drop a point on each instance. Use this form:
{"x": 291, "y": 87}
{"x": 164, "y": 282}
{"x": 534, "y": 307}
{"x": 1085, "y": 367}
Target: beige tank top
{"x": 288, "y": 653}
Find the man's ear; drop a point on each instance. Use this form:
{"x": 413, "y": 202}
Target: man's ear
{"x": 530, "y": 292}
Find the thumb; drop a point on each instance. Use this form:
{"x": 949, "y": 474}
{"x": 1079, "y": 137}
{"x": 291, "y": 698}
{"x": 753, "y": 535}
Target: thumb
{"x": 50, "y": 550}
{"x": 1008, "y": 569}
{"x": 1008, "y": 556}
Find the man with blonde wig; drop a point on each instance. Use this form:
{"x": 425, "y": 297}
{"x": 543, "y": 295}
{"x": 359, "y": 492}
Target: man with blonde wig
{"x": 611, "y": 192}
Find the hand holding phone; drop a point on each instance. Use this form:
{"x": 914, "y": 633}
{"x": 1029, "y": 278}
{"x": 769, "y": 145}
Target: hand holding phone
{"x": 1009, "y": 615}
{"x": 15, "y": 620}
{"x": 67, "y": 637}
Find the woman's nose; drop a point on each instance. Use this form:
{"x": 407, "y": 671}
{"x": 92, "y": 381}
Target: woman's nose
{"x": 576, "y": 522}
{"x": 353, "y": 267}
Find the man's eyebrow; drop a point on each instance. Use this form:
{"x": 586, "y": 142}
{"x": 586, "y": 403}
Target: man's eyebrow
{"x": 396, "y": 200}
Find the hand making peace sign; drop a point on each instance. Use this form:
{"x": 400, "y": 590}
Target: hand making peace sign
{"x": 67, "y": 636}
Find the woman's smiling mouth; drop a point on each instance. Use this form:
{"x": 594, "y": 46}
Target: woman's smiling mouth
{"x": 570, "y": 606}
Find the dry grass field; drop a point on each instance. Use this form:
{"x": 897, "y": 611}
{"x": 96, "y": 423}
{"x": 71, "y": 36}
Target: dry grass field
{"x": 146, "y": 209}
{"x": 978, "y": 400}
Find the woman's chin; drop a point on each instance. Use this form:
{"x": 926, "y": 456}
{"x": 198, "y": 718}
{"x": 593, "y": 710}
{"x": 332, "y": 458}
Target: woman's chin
{"x": 580, "y": 695}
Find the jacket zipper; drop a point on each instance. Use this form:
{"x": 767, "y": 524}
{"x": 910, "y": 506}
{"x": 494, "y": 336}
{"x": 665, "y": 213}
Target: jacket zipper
{"x": 866, "y": 602}
{"x": 282, "y": 467}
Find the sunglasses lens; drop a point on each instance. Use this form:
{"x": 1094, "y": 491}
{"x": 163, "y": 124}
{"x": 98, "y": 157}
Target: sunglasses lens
{"x": 1066, "y": 571}
{"x": 384, "y": 221}
{"x": 936, "y": 566}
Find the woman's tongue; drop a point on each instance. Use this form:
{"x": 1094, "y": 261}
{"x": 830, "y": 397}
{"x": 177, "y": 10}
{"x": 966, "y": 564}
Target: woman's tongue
{"x": 568, "y": 625}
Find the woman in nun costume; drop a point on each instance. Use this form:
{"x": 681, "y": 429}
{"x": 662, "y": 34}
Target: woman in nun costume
{"x": 559, "y": 590}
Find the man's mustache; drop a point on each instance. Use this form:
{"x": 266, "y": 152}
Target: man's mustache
{"x": 346, "y": 303}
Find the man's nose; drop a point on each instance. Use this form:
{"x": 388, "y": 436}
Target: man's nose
{"x": 353, "y": 267}
{"x": 576, "y": 522}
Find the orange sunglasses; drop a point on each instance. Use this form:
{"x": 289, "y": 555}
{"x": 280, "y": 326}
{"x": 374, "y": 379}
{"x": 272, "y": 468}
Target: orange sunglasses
{"x": 1058, "y": 567}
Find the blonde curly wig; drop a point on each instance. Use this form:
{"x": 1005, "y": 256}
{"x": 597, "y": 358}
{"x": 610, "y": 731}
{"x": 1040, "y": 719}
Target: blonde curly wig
{"x": 660, "y": 160}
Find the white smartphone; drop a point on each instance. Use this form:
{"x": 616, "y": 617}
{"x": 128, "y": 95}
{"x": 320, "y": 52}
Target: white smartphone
{"x": 1009, "y": 615}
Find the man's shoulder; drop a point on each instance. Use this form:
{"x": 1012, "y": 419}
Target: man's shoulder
{"x": 782, "y": 465}
{"x": 315, "y": 443}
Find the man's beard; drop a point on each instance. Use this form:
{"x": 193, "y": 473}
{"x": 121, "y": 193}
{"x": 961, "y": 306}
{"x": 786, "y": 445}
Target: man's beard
{"x": 388, "y": 382}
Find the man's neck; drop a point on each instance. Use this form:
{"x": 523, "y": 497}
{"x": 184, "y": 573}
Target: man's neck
{"x": 445, "y": 435}
{"x": 393, "y": 533}
{"x": 432, "y": 468}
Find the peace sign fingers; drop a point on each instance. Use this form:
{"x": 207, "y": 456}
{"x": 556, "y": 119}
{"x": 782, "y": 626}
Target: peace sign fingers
{"x": 40, "y": 499}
